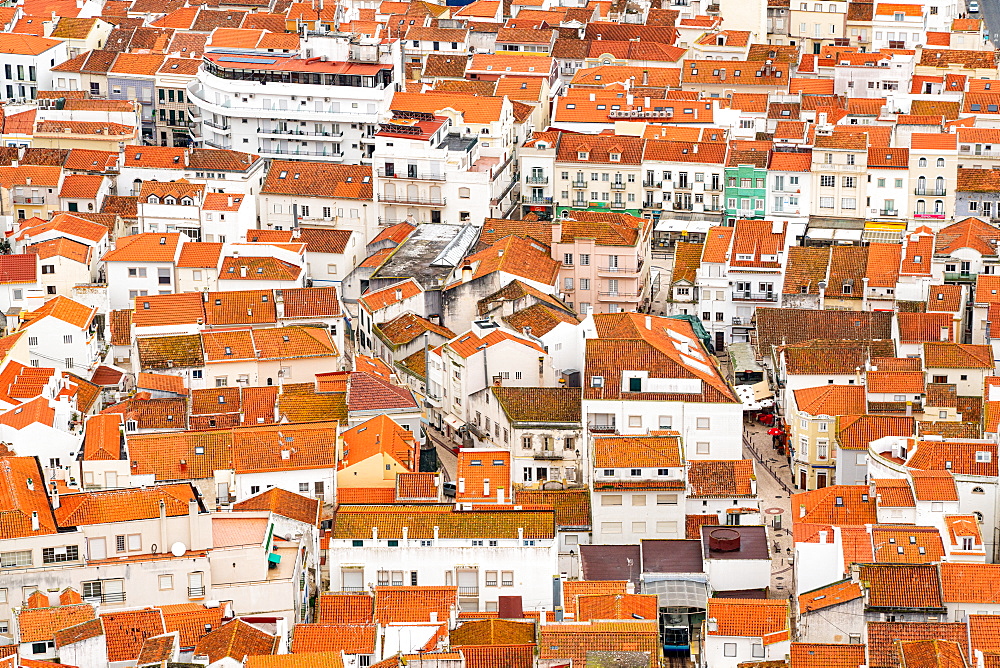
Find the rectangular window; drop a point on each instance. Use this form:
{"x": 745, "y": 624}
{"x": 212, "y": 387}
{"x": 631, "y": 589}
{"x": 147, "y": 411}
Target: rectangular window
{"x": 55, "y": 555}
{"x": 611, "y": 499}
{"x": 729, "y": 649}
{"x": 666, "y": 499}
{"x": 704, "y": 423}
{"x": 611, "y": 527}
{"x": 15, "y": 559}
{"x": 507, "y": 578}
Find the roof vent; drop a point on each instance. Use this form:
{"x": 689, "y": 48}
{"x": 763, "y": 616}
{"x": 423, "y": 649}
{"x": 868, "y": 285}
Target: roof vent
{"x": 163, "y": 241}
{"x": 724, "y": 540}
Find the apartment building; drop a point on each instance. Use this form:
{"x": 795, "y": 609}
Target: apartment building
{"x": 839, "y": 165}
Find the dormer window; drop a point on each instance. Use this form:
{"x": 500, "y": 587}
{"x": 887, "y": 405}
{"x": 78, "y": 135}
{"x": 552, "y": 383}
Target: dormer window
{"x": 153, "y": 199}
{"x": 169, "y": 200}
{"x": 898, "y": 16}
{"x": 582, "y": 155}
{"x": 615, "y": 157}
{"x": 186, "y": 201}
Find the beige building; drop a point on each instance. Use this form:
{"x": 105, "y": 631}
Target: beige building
{"x": 812, "y": 417}
{"x": 839, "y": 166}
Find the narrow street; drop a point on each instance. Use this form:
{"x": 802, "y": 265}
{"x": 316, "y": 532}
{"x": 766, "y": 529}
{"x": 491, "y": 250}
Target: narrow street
{"x": 773, "y": 482}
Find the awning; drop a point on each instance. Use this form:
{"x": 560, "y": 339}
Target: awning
{"x": 755, "y": 397}
{"x": 274, "y": 557}
{"x": 453, "y": 422}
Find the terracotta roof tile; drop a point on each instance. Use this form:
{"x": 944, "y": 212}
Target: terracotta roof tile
{"x": 902, "y": 586}
{"x": 414, "y": 604}
{"x": 883, "y": 636}
{"x": 831, "y": 400}
{"x": 352, "y": 522}
{"x": 236, "y": 639}
{"x": 127, "y": 630}
{"x": 339, "y": 637}
{"x": 824, "y": 597}
{"x": 41, "y": 624}
{"x": 721, "y": 478}
{"x": 756, "y": 618}
{"x": 646, "y": 451}
{"x": 284, "y": 503}
{"x": 574, "y": 640}
{"x": 191, "y": 620}
{"x": 339, "y": 608}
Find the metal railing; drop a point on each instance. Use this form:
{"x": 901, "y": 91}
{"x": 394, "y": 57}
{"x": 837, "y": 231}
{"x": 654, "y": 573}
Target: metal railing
{"x": 579, "y": 184}
{"x": 196, "y": 592}
{"x": 930, "y": 192}
{"x": 21, "y": 199}
{"x": 888, "y": 212}
{"x": 468, "y": 591}
{"x": 617, "y": 205}
{"x": 755, "y": 296}
{"x": 419, "y": 176}
{"x": 536, "y": 179}
{"x": 652, "y": 184}
{"x": 218, "y": 126}
{"x": 528, "y": 199}
{"x": 617, "y": 185}
{"x": 406, "y": 199}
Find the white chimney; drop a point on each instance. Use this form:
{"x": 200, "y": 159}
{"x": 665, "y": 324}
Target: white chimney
{"x": 437, "y": 530}
{"x": 822, "y": 538}
{"x": 406, "y": 533}
{"x": 374, "y": 533}
{"x": 486, "y": 488}
{"x": 500, "y": 498}
{"x": 34, "y": 520}
{"x": 461, "y": 485}
{"x": 649, "y": 322}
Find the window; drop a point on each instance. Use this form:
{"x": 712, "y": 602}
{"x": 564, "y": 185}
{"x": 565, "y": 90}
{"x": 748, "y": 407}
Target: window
{"x": 32, "y": 340}
{"x": 729, "y": 649}
{"x": 849, "y": 181}
{"x": 585, "y": 259}
{"x": 638, "y": 499}
{"x": 635, "y": 472}
{"x": 166, "y": 582}
{"x": 567, "y": 258}
{"x": 48, "y": 269}
{"x": 826, "y": 202}
{"x": 507, "y": 578}
{"x": 635, "y": 420}
{"x": 702, "y": 447}
{"x": 666, "y": 499}
{"x": 54, "y": 555}
{"x": 828, "y": 181}
{"x": 611, "y": 527}
{"x": 704, "y": 423}
{"x": 15, "y": 559}
{"x": 757, "y": 651}
{"x": 611, "y": 499}
{"x": 491, "y": 578}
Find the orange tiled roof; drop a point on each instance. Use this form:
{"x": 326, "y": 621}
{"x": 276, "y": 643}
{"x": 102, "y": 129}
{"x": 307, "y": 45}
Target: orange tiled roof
{"x": 824, "y": 597}
{"x": 41, "y": 624}
{"x": 902, "y": 586}
{"x": 757, "y": 618}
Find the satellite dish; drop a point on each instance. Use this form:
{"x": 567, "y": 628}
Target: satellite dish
{"x": 178, "y": 549}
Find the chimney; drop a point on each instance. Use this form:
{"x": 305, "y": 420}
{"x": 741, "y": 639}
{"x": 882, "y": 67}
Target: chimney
{"x": 27, "y": 181}
{"x": 34, "y": 520}
{"x": 434, "y": 614}
{"x": 461, "y": 485}
{"x": 822, "y": 538}
{"x": 486, "y": 488}
{"x": 243, "y": 271}
{"x": 466, "y": 274}
{"x": 520, "y": 533}
{"x": 649, "y": 322}
{"x": 406, "y": 533}
{"x": 909, "y": 409}
{"x": 645, "y": 77}
{"x": 437, "y": 530}
{"x": 229, "y": 201}
{"x": 163, "y": 526}
{"x": 54, "y": 495}
{"x": 500, "y": 497}
{"x": 194, "y": 535}
{"x": 593, "y": 97}
{"x": 374, "y": 533}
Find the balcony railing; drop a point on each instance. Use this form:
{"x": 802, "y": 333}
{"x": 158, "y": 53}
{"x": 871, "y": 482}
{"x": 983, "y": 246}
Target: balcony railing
{"x": 678, "y": 206}
{"x": 548, "y": 454}
{"x": 541, "y": 180}
{"x": 930, "y": 192}
{"x": 196, "y": 592}
{"x": 419, "y": 176}
{"x": 602, "y": 429}
{"x": 652, "y": 205}
{"x": 218, "y": 126}
{"x": 21, "y": 199}
{"x": 303, "y": 133}
{"x": 755, "y": 296}
{"x": 109, "y": 597}
{"x": 618, "y": 295}
{"x": 406, "y": 199}
{"x": 962, "y": 276}
{"x": 580, "y": 203}
{"x": 468, "y": 591}
{"x": 356, "y": 589}
{"x": 682, "y": 186}
{"x": 579, "y": 184}
{"x": 617, "y": 185}
{"x": 888, "y": 212}
{"x": 528, "y": 199}
{"x": 617, "y": 270}
{"x": 285, "y": 151}
{"x": 617, "y": 205}
{"x": 656, "y": 185}
{"x": 218, "y": 145}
